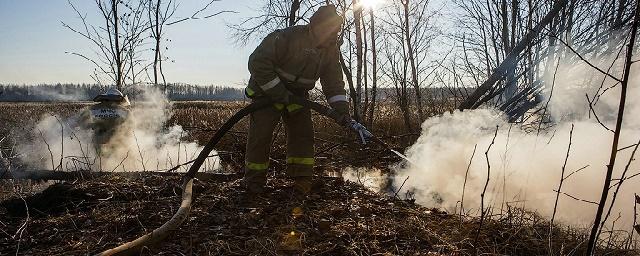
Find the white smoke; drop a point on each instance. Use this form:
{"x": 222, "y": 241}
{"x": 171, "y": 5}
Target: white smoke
{"x": 371, "y": 178}
{"x": 148, "y": 144}
{"x": 52, "y": 94}
{"x": 526, "y": 166}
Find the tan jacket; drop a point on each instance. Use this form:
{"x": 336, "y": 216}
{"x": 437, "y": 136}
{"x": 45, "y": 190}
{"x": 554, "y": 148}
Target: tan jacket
{"x": 105, "y": 119}
{"x": 288, "y": 58}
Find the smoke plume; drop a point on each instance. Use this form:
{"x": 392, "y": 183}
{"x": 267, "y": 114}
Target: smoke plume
{"x": 526, "y": 165}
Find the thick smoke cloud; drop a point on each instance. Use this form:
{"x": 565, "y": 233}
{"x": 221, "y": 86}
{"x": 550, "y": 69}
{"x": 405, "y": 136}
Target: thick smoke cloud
{"x": 526, "y": 165}
{"x": 148, "y": 145}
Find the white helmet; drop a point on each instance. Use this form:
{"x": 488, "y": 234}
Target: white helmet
{"x": 112, "y": 95}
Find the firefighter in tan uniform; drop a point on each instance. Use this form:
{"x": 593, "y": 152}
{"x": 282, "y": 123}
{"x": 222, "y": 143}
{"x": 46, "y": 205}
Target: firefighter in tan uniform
{"x": 107, "y": 119}
{"x": 289, "y": 62}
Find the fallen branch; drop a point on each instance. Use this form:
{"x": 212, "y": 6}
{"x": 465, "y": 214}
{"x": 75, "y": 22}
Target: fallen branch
{"x": 58, "y": 175}
{"x": 511, "y": 60}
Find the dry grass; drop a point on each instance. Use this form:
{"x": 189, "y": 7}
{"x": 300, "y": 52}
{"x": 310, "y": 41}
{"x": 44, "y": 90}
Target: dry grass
{"x": 341, "y": 219}
{"x": 336, "y": 147}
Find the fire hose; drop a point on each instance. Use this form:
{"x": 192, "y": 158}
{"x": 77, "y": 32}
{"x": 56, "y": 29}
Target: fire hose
{"x": 157, "y": 235}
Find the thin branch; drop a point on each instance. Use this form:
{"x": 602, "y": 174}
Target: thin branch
{"x": 466, "y": 175}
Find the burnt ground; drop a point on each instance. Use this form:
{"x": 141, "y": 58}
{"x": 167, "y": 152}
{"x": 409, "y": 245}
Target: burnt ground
{"x": 339, "y": 218}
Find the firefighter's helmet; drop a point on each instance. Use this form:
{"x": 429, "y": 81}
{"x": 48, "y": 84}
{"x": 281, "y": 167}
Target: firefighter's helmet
{"x": 112, "y": 95}
{"x": 326, "y": 23}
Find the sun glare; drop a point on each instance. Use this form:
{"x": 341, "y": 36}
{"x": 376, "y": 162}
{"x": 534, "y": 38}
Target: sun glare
{"x": 370, "y": 3}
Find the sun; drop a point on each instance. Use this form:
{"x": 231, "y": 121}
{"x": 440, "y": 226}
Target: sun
{"x": 370, "y": 3}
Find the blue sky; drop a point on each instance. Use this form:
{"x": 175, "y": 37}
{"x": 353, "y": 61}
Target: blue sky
{"x": 33, "y": 43}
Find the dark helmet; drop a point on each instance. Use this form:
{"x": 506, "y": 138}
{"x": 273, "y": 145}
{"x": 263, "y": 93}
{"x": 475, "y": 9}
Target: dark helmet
{"x": 326, "y": 23}
{"x": 112, "y": 95}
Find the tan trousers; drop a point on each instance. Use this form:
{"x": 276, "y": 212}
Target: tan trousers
{"x": 300, "y": 151}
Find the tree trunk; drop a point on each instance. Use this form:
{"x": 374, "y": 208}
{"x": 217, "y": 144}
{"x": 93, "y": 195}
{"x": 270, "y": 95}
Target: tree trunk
{"x": 593, "y": 237}
{"x": 118, "y": 51}
{"x": 620, "y": 11}
{"x": 156, "y": 32}
{"x": 412, "y": 62}
{"x": 374, "y": 69}
{"x": 357, "y": 18}
{"x": 505, "y": 26}
{"x": 352, "y": 90}
{"x": 295, "y": 6}
{"x": 404, "y": 105}
{"x": 492, "y": 29}
{"x": 509, "y": 37}
{"x": 365, "y": 71}
{"x": 530, "y": 67}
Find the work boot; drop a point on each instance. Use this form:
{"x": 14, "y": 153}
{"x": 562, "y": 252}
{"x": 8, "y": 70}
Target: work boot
{"x": 303, "y": 185}
{"x": 254, "y": 182}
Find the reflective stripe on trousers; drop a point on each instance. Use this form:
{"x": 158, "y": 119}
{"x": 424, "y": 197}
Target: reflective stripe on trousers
{"x": 299, "y": 130}
{"x": 301, "y": 160}
{"x": 257, "y": 166}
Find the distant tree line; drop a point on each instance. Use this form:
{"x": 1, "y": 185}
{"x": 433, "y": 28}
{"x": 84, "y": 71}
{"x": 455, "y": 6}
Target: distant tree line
{"x": 175, "y": 91}
{"x": 86, "y": 92}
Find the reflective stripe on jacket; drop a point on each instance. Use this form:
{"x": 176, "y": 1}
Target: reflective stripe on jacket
{"x": 289, "y": 58}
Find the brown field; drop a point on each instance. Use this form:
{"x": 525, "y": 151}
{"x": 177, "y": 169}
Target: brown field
{"x": 344, "y": 218}
{"x": 336, "y": 147}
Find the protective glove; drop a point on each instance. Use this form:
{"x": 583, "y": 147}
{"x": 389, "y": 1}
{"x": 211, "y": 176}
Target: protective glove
{"x": 361, "y": 131}
{"x": 279, "y": 94}
{"x": 342, "y": 108}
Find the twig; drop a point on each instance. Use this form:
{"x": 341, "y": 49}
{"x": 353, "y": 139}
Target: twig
{"x": 486, "y": 184}
{"x": 61, "y": 142}
{"x": 123, "y": 159}
{"x": 191, "y": 161}
{"x": 613, "y": 227}
{"x": 619, "y": 184}
{"x": 53, "y": 165}
{"x": 576, "y": 171}
{"x": 193, "y": 17}
{"x": 546, "y": 105}
{"x": 595, "y": 114}
{"x": 635, "y": 215}
{"x": 395, "y": 195}
{"x": 140, "y": 152}
{"x": 628, "y": 147}
{"x": 575, "y": 198}
{"x": 555, "y": 205}
{"x": 24, "y": 225}
{"x": 466, "y": 175}
{"x": 584, "y": 60}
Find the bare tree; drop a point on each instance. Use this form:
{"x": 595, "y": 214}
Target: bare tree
{"x": 117, "y": 40}
{"x": 408, "y": 32}
{"x": 406, "y": 49}
{"x": 158, "y": 15}
{"x": 374, "y": 68}
{"x": 273, "y": 15}
{"x": 357, "y": 20}
{"x": 593, "y": 237}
